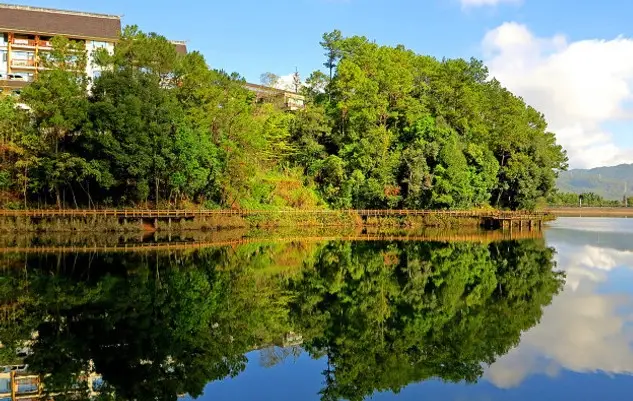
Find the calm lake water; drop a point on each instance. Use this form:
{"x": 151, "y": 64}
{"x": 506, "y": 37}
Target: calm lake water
{"x": 545, "y": 318}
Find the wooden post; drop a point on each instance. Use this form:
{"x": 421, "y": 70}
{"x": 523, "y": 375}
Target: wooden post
{"x": 13, "y": 386}
{"x": 10, "y": 37}
{"x": 36, "y": 61}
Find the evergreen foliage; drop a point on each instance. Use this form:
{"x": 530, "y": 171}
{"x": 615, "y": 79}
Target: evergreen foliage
{"x": 383, "y": 128}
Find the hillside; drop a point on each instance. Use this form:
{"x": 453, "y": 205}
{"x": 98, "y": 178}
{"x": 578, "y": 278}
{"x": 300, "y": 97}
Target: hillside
{"x": 608, "y": 182}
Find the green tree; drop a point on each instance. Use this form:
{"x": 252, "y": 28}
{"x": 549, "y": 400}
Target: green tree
{"x": 387, "y": 128}
{"x": 59, "y": 110}
{"x": 333, "y": 53}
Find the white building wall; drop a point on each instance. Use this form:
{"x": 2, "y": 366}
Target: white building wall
{"x": 92, "y": 70}
{"x": 3, "y": 55}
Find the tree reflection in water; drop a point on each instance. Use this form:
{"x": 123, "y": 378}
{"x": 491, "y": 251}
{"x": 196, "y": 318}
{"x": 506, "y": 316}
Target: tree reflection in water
{"x": 160, "y": 325}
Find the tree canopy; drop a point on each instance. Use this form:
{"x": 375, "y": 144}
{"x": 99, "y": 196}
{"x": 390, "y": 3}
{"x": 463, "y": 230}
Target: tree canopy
{"x": 383, "y": 127}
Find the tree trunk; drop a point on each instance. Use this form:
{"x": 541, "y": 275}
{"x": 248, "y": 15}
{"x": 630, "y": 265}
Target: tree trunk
{"x": 72, "y": 191}
{"x": 156, "y": 182}
{"x": 26, "y": 172}
{"x": 58, "y": 198}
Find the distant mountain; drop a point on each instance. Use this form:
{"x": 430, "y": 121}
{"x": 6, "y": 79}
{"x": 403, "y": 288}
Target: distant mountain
{"x": 609, "y": 182}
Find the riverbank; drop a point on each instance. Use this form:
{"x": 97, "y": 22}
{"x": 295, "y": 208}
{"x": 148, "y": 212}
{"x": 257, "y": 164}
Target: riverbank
{"x": 591, "y": 211}
{"x": 134, "y": 221}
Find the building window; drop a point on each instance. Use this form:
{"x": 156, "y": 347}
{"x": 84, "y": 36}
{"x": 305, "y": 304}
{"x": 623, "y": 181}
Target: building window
{"x": 99, "y": 45}
{"x": 23, "y": 55}
{"x": 3, "y": 56}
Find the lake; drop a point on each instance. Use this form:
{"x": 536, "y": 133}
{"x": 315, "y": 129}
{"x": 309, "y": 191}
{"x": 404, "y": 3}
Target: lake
{"x": 479, "y": 318}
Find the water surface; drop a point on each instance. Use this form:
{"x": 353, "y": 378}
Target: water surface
{"x": 490, "y": 319}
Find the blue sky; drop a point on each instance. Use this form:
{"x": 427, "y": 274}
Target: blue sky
{"x": 252, "y": 36}
{"x": 255, "y": 36}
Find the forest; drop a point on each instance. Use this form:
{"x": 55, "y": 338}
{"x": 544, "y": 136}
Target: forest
{"x": 384, "y": 315}
{"x": 383, "y": 127}
{"x": 611, "y": 183}
{"x": 588, "y": 199}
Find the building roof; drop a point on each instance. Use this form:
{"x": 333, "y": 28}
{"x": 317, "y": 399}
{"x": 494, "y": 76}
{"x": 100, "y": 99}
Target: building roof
{"x": 47, "y": 21}
{"x": 267, "y": 90}
{"x": 181, "y": 46}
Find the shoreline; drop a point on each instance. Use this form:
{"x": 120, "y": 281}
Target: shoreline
{"x": 138, "y": 221}
{"x": 591, "y": 212}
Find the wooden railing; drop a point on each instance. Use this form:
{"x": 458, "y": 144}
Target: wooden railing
{"x": 24, "y": 42}
{"x": 174, "y": 213}
{"x": 23, "y": 62}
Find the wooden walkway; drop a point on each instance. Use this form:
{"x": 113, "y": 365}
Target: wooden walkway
{"x": 193, "y": 213}
{"x": 482, "y": 237}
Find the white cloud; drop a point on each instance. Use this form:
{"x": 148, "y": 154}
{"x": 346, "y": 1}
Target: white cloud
{"x": 482, "y": 3}
{"x": 583, "y": 330}
{"x": 579, "y": 86}
{"x": 286, "y": 82}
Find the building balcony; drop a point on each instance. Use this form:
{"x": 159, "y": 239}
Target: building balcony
{"x": 26, "y": 43}
{"x": 23, "y": 63}
{"x": 31, "y": 43}
{"x": 11, "y": 82}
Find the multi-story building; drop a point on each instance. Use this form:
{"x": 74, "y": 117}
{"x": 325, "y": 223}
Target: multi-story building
{"x": 26, "y": 33}
{"x": 286, "y": 99}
